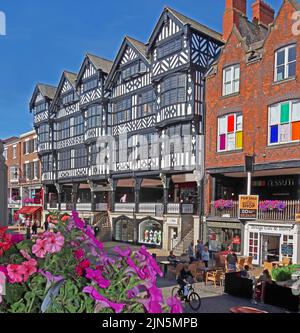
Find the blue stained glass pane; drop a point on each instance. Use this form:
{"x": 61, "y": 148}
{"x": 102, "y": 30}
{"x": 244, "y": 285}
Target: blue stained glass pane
{"x": 274, "y": 134}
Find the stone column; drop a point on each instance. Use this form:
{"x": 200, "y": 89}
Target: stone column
{"x": 137, "y": 189}
{"x": 112, "y": 199}
{"x": 59, "y": 193}
{"x": 166, "y": 180}
{"x": 92, "y": 188}
{"x": 75, "y": 195}
{"x": 3, "y": 188}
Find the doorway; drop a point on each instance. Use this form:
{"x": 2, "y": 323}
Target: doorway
{"x": 270, "y": 248}
{"x": 173, "y": 237}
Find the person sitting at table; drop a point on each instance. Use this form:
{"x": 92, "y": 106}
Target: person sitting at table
{"x": 172, "y": 258}
{"x": 245, "y": 272}
{"x": 182, "y": 280}
{"x": 264, "y": 279}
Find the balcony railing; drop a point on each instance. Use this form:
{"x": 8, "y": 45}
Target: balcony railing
{"x": 11, "y": 201}
{"x": 101, "y": 207}
{"x": 287, "y": 214}
{"x": 52, "y": 205}
{"x": 177, "y": 208}
{"x": 152, "y": 208}
{"x": 84, "y": 207}
{"x": 125, "y": 207}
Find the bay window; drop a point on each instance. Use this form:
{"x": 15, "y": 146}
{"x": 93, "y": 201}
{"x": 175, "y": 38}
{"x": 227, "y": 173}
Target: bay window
{"x": 230, "y": 132}
{"x": 284, "y": 122}
{"x": 94, "y": 116}
{"x": 64, "y": 160}
{"x": 146, "y": 104}
{"x": 80, "y": 157}
{"x": 285, "y": 63}
{"x": 78, "y": 125}
{"x": 174, "y": 90}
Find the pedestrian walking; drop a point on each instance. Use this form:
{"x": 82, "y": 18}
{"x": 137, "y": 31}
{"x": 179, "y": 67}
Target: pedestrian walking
{"x": 199, "y": 249}
{"x": 191, "y": 253}
{"x": 35, "y": 228}
{"x": 28, "y": 228}
{"x": 231, "y": 260}
{"x": 205, "y": 256}
{"x": 46, "y": 225}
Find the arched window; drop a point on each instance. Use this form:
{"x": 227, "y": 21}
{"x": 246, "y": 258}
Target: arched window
{"x": 150, "y": 232}
{"x": 124, "y": 230}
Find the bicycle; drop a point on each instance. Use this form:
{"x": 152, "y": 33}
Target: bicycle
{"x": 192, "y": 297}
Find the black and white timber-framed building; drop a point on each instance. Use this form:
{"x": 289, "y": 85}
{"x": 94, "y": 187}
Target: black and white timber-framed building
{"x": 145, "y": 111}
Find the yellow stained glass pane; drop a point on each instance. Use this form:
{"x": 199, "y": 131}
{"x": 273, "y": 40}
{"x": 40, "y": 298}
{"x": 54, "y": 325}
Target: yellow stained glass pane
{"x": 239, "y": 140}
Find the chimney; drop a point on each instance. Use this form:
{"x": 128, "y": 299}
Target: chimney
{"x": 262, "y": 13}
{"x": 233, "y": 10}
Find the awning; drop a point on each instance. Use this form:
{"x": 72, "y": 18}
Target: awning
{"x": 27, "y": 210}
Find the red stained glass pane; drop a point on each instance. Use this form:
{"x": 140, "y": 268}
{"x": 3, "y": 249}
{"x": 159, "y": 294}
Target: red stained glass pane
{"x": 230, "y": 124}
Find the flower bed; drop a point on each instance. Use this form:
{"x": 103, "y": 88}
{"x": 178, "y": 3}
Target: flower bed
{"x": 68, "y": 271}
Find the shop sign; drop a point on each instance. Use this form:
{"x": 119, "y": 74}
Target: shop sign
{"x": 265, "y": 228}
{"x": 287, "y": 250}
{"x": 172, "y": 221}
{"x": 248, "y": 207}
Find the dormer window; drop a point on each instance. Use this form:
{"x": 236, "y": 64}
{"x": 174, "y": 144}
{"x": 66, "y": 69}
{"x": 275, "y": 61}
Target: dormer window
{"x": 285, "y": 63}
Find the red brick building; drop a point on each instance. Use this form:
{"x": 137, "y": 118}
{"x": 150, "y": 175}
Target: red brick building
{"x": 253, "y": 108}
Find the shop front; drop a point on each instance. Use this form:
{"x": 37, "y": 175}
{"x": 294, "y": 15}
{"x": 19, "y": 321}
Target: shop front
{"x": 271, "y": 242}
{"x": 124, "y": 230}
{"x": 150, "y": 233}
{"x": 223, "y": 235}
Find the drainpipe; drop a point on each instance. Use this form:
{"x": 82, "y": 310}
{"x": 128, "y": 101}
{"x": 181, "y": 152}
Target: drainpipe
{"x": 3, "y": 188}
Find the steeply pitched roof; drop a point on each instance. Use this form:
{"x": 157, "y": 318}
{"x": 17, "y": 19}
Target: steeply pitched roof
{"x": 295, "y": 3}
{"x": 141, "y": 47}
{"x": 71, "y": 77}
{"x": 250, "y": 31}
{"x": 47, "y": 90}
{"x": 196, "y": 25}
{"x": 100, "y": 63}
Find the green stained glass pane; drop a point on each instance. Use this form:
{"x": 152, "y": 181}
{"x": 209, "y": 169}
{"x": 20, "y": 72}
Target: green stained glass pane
{"x": 285, "y": 113}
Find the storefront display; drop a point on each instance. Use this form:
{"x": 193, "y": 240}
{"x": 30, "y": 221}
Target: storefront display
{"x": 269, "y": 242}
{"x": 221, "y": 238}
{"x": 150, "y": 232}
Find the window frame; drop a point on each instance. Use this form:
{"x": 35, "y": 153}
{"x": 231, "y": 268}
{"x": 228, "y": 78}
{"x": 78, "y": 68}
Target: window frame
{"x": 232, "y": 81}
{"x": 236, "y": 115}
{"x": 291, "y": 103}
{"x": 286, "y": 63}
{"x": 166, "y": 92}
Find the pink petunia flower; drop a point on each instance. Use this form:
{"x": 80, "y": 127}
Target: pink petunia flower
{"x": 54, "y": 243}
{"x": 97, "y": 277}
{"x": 15, "y": 273}
{"x": 82, "y": 267}
{"x": 79, "y": 254}
{"x": 39, "y": 248}
{"x": 30, "y": 268}
{"x": 174, "y": 305}
{"x": 118, "y": 308}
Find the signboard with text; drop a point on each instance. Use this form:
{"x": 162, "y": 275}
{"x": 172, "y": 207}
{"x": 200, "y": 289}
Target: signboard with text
{"x": 248, "y": 207}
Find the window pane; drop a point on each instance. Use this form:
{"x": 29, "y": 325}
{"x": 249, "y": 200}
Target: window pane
{"x": 296, "y": 131}
{"x": 284, "y": 133}
{"x": 292, "y": 54}
{"x": 231, "y": 142}
{"x": 280, "y": 57}
{"x": 222, "y": 125}
{"x": 228, "y": 75}
{"x": 239, "y": 140}
{"x": 236, "y": 86}
{"x": 236, "y": 73}
{"x": 292, "y": 69}
{"x": 275, "y": 115}
{"x": 239, "y": 123}
{"x": 222, "y": 142}
{"x": 231, "y": 126}
{"x": 274, "y": 134}
{"x": 280, "y": 73}
{"x": 227, "y": 88}
{"x": 285, "y": 113}
{"x": 296, "y": 111}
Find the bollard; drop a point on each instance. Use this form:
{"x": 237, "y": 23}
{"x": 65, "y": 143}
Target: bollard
{"x": 3, "y": 188}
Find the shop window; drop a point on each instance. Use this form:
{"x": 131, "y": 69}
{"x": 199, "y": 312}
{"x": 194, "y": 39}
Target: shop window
{"x": 287, "y": 248}
{"x": 284, "y": 123}
{"x": 150, "y": 232}
{"x": 253, "y": 245}
{"x": 230, "y": 132}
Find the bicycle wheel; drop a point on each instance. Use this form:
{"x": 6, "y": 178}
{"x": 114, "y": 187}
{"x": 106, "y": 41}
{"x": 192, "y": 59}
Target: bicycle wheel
{"x": 194, "y": 301}
{"x": 175, "y": 292}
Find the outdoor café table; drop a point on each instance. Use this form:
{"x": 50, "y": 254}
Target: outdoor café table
{"x": 277, "y": 263}
{"x": 166, "y": 264}
{"x": 244, "y": 309}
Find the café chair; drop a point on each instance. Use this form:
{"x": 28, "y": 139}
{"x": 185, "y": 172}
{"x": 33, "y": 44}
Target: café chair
{"x": 249, "y": 262}
{"x": 197, "y": 273}
{"x": 215, "y": 277}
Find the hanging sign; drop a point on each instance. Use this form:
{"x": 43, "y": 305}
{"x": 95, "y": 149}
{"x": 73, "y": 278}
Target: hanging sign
{"x": 248, "y": 207}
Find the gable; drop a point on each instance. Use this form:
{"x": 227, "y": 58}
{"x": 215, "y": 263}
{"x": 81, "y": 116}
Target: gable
{"x": 89, "y": 71}
{"x": 66, "y": 87}
{"x": 169, "y": 28}
{"x": 129, "y": 55}
{"x": 39, "y": 97}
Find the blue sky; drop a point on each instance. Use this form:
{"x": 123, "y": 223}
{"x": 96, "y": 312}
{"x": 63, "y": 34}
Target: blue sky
{"x": 46, "y": 37}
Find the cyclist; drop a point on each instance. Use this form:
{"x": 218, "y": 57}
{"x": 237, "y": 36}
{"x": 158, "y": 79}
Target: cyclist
{"x": 182, "y": 280}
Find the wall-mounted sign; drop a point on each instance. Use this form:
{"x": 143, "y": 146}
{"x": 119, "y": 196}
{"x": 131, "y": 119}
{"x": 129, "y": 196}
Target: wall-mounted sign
{"x": 287, "y": 250}
{"x": 172, "y": 221}
{"x": 248, "y": 207}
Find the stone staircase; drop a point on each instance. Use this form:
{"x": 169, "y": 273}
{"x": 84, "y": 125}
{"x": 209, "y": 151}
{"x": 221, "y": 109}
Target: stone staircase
{"x": 183, "y": 245}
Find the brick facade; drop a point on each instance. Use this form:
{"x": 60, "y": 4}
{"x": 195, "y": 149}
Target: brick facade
{"x": 257, "y": 92}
